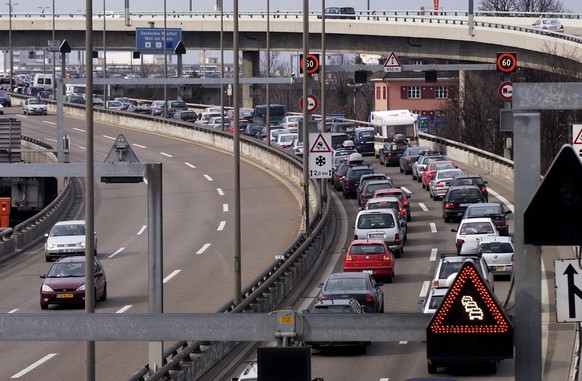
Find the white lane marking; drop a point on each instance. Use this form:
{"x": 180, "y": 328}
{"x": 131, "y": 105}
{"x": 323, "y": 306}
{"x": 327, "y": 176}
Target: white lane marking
{"x": 433, "y": 254}
{"x": 403, "y": 342}
{"x": 433, "y": 228}
{"x": 225, "y": 207}
{"x": 78, "y": 129}
{"x": 13, "y": 311}
{"x": 166, "y": 154}
{"x": 203, "y": 248}
{"x": 221, "y": 226}
{"x": 220, "y": 192}
{"x": 124, "y": 308}
{"x": 208, "y": 178}
{"x": 424, "y": 289}
{"x": 173, "y": 274}
{"x": 48, "y": 122}
{"x": 117, "y": 252}
{"x": 109, "y": 137}
{"x": 423, "y": 207}
{"x": 406, "y": 190}
{"x": 139, "y": 145}
{"x": 501, "y": 198}
{"x": 31, "y": 367}
{"x": 384, "y": 379}
{"x": 83, "y": 148}
{"x": 143, "y": 228}
{"x": 190, "y": 165}
{"x": 51, "y": 140}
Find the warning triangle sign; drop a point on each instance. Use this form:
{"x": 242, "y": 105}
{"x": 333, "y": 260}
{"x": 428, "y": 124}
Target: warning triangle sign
{"x": 558, "y": 199}
{"x": 578, "y": 139}
{"x": 469, "y": 307}
{"x": 392, "y": 61}
{"x": 320, "y": 145}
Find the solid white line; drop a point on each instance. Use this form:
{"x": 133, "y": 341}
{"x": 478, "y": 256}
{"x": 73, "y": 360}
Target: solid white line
{"x": 433, "y": 254}
{"x": 124, "y": 308}
{"x": 109, "y": 137}
{"x": 83, "y": 148}
{"x": 406, "y": 190}
{"x": 78, "y": 129}
{"x": 225, "y": 207}
{"x": 403, "y": 342}
{"x": 166, "y": 154}
{"x": 501, "y": 198}
{"x": 203, "y": 248}
{"x": 13, "y": 311}
{"x": 31, "y": 367}
{"x": 208, "y": 178}
{"x": 423, "y": 207}
{"x": 143, "y": 228}
{"x": 424, "y": 289}
{"x": 117, "y": 252}
{"x": 190, "y": 165}
{"x": 51, "y": 140}
{"x": 221, "y": 226}
{"x": 139, "y": 145}
{"x": 220, "y": 192}
{"x": 48, "y": 122}
{"x": 433, "y": 228}
{"x": 173, "y": 274}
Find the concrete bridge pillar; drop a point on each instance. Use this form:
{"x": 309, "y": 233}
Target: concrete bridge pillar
{"x": 250, "y": 68}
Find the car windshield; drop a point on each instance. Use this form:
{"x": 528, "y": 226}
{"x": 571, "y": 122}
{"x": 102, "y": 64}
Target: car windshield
{"x": 376, "y": 221}
{"x": 59, "y": 270}
{"x": 346, "y": 284}
{"x": 34, "y": 102}
{"x": 65, "y": 230}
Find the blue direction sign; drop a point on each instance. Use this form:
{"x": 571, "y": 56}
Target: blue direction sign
{"x": 151, "y": 40}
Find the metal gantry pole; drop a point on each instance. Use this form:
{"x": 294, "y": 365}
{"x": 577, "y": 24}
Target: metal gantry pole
{"x": 236, "y": 152}
{"x": 305, "y": 113}
{"x": 323, "y": 109}
{"x": 268, "y": 71}
{"x": 165, "y": 63}
{"x": 105, "y": 95}
{"x": 55, "y": 55}
{"x": 89, "y": 196}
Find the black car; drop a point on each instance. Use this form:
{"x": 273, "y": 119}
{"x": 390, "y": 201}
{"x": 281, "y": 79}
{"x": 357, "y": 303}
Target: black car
{"x": 409, "y": 157}
{"x": 494, "y": 210}
{"x": 371, "y": 187}
{"x": 458, "y": 198}
{"x": 364, "y": 140}
{"x": 472, "y": 180}
{"x": 5, "y": 99}
{"x": 185, "y": 115}
{"x": 76, "y": 99}
{"x": 351, "y": 180}
{"x": 391, "y": 152}
{"x": 358, "y": 285}
{"x": 339, "y": 13}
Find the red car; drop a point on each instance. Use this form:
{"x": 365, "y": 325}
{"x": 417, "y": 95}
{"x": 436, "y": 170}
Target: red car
{"x": 371, "y": 256}
{"x": 402, "y": 196}
{"x": 431, "y": 169}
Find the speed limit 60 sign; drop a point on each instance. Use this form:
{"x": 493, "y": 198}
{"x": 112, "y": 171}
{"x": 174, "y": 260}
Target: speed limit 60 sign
{"x": 506, "y": 62}
{"x": 312, "y": 63}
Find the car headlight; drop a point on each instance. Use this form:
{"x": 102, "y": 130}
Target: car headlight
{"x": 46, "y": 288}
{"x": 81, "y": 288}
{"x": 51, "y": 246}
{"x": 82, "y": 244}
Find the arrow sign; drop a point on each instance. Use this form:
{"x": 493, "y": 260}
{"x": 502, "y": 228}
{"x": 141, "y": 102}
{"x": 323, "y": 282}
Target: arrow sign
{"x": 568, "y": 295}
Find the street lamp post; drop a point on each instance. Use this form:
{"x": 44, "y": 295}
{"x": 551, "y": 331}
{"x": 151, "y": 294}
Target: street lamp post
{"x": 355, "y": 86}
{"x": 54, "y": 57}
{"x": 10, "y": 5}
{"x": 105, "y": 95}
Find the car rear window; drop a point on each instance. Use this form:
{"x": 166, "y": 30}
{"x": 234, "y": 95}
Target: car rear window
{"x": 371, "y": 188}
{"x": 367, "y": 249}
{"x": 496, "y": 247}
{"x": 358, "y": 173}
{"x": 376, "y": 221}
{"x": 486, "y": 211}
{"x": 465, "y": 194}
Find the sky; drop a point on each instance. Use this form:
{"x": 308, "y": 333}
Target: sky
{"x": 36, "y": 6}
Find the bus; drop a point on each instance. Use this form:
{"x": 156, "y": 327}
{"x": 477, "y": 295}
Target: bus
{"x": 392, "y": 122}
{"x": 276, "y": 114}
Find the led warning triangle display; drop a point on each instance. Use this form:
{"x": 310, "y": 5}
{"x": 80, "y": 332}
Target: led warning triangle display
{"x": 469, "y": 307}
{"x": 392, "y": 60}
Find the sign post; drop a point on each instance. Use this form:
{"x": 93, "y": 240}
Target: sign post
{"x": 320, "y": 155}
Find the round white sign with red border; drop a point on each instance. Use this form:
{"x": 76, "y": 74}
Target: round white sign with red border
{"x": 505, "y": 91}
{"x": 312, "y": 103}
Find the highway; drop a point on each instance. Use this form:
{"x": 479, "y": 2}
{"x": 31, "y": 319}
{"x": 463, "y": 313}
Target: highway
{"x": 198, "y": 244}
{"x": 428, "y": 236}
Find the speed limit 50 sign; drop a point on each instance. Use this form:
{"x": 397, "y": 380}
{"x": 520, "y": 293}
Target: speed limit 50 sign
{"x": 506, "y": 62}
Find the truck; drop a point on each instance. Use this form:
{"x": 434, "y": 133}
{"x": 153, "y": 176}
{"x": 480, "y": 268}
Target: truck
{"x": 389, "y": 123}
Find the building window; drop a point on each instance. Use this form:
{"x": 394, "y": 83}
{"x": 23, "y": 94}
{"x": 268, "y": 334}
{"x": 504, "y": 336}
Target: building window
{"x": 378, "y": 92}
{"x": 441, "y": 92}
{"x": 413, "y": 92}
{"x": 384, "y": 91}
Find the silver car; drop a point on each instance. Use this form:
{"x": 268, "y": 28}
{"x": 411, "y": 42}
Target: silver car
{"x": 499, "y": 253}
{"x": 548, "y": 25}
{"x": 441, "y": 182}
{"x": 66, "y": 238}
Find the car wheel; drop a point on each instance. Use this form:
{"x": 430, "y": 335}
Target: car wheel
{"x": 389, "y": 278}
{"x": 401, "y": 170}
{"x": 413, "y": 177}
{"x": 104, "y": 296}
{"x": 447, "y": 219}
{"x": 385, "y": 163}
{"x": 432, "y": 367}
{"x": 408, "y": 218}
{"x": 47, "y": 258}
{"x": 43, "y": 305}
{"x": 382, "y": 308}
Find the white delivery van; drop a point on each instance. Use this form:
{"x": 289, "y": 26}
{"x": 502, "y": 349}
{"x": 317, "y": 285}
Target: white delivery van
{"x": 42, "y": 80}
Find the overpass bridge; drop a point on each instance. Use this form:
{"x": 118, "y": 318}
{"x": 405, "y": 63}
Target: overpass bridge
{"x": 452, "y": 35}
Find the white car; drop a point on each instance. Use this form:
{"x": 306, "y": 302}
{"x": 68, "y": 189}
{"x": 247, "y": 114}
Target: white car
{"x": 250, "y": 373}
{"x": 433, "y": 299}
{"x": 441, "y": 182}
{"x": 34, "y": 106}
{"x": 382, "y": 224}
{"x": 285, "y": 140}
{"x": 471, "y": 230}
{"x": 499, "y": 253}
{"x": 291, "y": 122}
{"x": 450, "y": 264}
{"x": 66, "y": 238}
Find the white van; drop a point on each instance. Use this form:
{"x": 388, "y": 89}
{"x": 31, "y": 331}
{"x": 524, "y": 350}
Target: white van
{"x": 74, "y": 89}
{"x": 44, "y": 81}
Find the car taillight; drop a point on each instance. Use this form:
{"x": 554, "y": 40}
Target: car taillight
{"x": 396, "y": 239}
{"x": 347, "y": 182}
{"x": 364, "y": 199}
{"x": 439, "y": 185}
{"x": 460, "y": 240}
{"x": 348, "y": 258}
{"x": 408, "y": 160}
{"x": 386, "y": 258}
{"x": 449, "y": 205}
{"x": 401, "y": 212}
{"x": 436, "y": 283}
{"x": 369, "y": 299}
{"x": 512, "y": 257}
{"x": 405, "y": 202}
{"x": 321, "y": 297}
{"x": 483, "y": 189}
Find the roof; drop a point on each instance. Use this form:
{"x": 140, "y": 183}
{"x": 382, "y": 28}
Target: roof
{"x": 71, "y": 222}
{"x": 488, "y": 239}
{"x": 367, "y": 241}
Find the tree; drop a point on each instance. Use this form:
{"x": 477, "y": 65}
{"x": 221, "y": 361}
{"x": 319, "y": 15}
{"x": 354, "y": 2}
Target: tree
{"x": 538, "y": 6}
